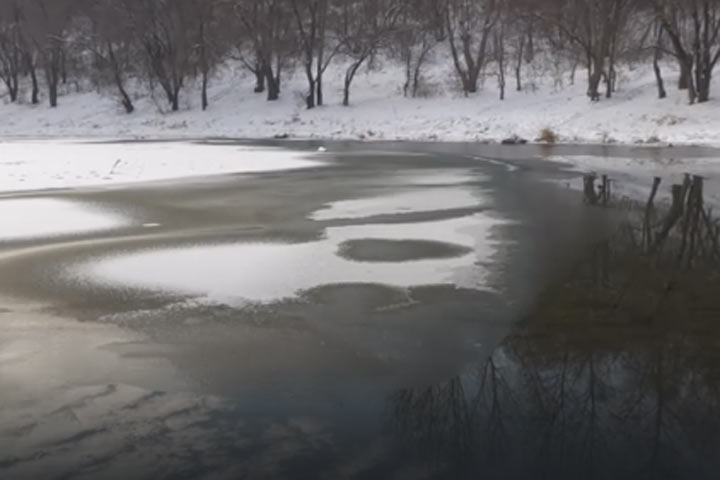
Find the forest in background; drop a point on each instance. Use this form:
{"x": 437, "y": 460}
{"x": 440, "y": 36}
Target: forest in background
{"x": 165, "y": 44}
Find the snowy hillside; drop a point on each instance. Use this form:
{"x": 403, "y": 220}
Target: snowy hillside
{"x": 379, "y": 111}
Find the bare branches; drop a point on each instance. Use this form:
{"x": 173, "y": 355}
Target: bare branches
{"x": 173, "y": 43}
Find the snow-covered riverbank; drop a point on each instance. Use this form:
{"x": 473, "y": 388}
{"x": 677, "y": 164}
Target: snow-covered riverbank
{"x": 634, "y": 116}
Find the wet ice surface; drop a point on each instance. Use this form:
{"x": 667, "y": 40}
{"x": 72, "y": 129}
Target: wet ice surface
{"x": 266, "y": 272}
{"x": 31, "y": 218}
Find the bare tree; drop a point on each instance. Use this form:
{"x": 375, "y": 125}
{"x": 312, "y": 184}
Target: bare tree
{"x": 311, "y": 17}
{"x": 657, "y": 56}
{"x": 162, "y": 27}
{"x": 364, "y": 28}
{"x": 595, "y": 26}
{"x": 469, "y": 26}
{"x": 208, "y": 44}
{"x": 111, "y": 42}
{"x": 522, "y": 31}
{"x": 693, "y": 28}
{"x": 268, "y": 26}
{"x": 419, "y": 30}
{"x": 11, "y": 54}
{"x": 46, "y": 23}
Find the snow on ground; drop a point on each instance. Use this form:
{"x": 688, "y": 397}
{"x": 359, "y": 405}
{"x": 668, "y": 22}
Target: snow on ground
{"x": 30, "y": 218}
{"x": 379, "y": 111}
{"x": 43, "y": 165}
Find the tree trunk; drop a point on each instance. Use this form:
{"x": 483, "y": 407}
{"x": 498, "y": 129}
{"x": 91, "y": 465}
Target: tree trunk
{"x": 610, "y": 87}
{"x": 204, "y": 90}
{"x": 319, "y": 87}
{"x": 125, "y": 98}
{"x": 684, "y": 80}
{"x": 501, "y": 83}
{"x": 518, "y": 65}
{"x": 594, "y": 86}
{"x": 596, "y": 75}
{"x": 658, "y": 73}
{"x": 658, "y": 77}
{"x": 686, "y": 75}
{"x": 126, "y": 102}
{"x": 346, "y": 92}
{"x": 63, "y": 67}
{"x": 408, "y": 72}
{"x": 53, "y": 93}
{"x": 416, "y": 77}
{"x": 52, "y": 75}
{"x": 473, "y": 76}
{"x": 310, "y": 98}
{"x": 703, "y": 88}
{"x": 175, "y": 101}
{"x": 349, "y": 76}
{"x": 259, "y": 79}
{"x": 11, "y": 83}
{"x": 273, "y": 85}
{"x": 35, "y": 88}
{"x": 499, "y": 45}
{"x": 657, "y": 55}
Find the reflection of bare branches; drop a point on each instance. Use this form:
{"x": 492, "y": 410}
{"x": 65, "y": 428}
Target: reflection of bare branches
{"x": 614, "y": 375}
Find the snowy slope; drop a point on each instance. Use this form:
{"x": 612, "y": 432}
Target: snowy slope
{"x": 379, "y": 111}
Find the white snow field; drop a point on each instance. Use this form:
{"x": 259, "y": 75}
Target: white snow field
{"x": 41, "y": 165}
{"x": 379, "y": 111}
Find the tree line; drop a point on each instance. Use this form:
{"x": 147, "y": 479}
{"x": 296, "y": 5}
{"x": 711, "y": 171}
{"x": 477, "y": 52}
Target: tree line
{"x": 167, "y": 43}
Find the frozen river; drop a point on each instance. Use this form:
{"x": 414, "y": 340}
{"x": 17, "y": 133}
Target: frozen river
{"x": 321, "y": 320}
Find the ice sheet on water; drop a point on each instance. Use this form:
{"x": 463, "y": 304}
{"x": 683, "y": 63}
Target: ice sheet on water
{"x": 265, "y": 272}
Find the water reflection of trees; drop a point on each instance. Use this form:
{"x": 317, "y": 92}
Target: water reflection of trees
{"x": 616, "y": 374}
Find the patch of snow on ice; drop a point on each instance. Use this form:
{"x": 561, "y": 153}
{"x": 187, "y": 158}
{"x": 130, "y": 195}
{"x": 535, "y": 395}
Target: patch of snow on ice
{"x": 45, "y": 217}
{"x": 416, "y": 201}
{"x": 264, "y": 272}
{"x": 49, "y": 164}
{"x": 439, "y": 177}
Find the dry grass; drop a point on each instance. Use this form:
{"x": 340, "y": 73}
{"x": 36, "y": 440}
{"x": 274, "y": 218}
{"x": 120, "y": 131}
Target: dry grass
{"x": 547, "y": 135}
